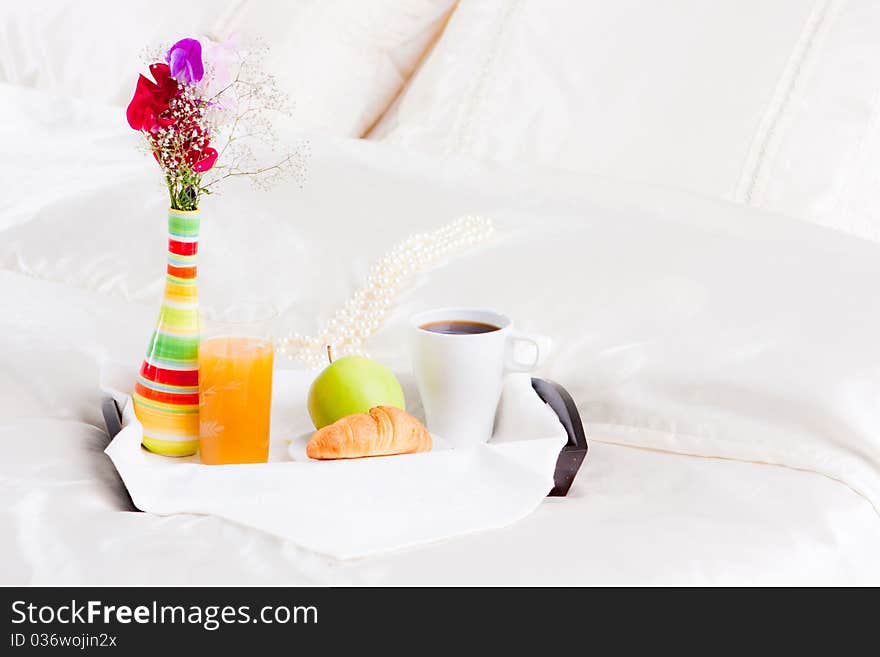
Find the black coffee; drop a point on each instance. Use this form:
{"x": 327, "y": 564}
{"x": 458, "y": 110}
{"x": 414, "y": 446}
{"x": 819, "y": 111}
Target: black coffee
{"x": 459, "y": 327}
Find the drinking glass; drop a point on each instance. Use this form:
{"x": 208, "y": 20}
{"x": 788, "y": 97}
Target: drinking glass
{"x": 236, "y": 355}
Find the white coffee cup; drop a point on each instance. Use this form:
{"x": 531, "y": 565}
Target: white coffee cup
{"x": 460, "y": 375}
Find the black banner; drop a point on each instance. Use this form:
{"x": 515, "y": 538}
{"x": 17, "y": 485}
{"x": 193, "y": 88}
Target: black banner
{"x": 170, "y": 621}
{"x": 129, "y": 621}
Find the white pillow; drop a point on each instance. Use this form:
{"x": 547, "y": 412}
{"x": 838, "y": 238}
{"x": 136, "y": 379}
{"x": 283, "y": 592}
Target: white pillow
{"x": 341, "y": 61}
{"x": 774, "y": 104}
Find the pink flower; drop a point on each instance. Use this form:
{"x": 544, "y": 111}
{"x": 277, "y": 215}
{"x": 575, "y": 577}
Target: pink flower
{"x": 222, "y": 59}
{"x": 185, "y": 60}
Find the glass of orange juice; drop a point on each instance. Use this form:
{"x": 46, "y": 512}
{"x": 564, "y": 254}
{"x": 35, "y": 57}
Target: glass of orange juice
{"x": 235, "y": 386}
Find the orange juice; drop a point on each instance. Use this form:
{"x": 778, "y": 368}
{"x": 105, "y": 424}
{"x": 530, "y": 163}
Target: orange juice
{"x": 235, "y": 398}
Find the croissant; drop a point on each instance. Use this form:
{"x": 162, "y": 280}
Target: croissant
{"x": 385, "y": 430}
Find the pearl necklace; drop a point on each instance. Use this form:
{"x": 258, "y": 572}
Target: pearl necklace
{"x": 361, "y": 317}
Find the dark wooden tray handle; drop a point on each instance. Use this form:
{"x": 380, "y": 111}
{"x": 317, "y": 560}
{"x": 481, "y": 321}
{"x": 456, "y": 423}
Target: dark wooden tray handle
{"x": 572, "y": 455}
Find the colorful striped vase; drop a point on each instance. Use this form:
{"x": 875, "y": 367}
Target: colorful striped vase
{"x": 166, "y": 395}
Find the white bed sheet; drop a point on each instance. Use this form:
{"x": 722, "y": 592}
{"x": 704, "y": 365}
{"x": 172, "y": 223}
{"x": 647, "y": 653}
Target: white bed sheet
{"x": 637, "y": 286}
{"x": 633, "y": 516}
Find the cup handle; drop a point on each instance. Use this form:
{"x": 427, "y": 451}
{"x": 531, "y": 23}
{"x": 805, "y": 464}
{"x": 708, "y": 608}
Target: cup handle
{"x": 511, "y": 363}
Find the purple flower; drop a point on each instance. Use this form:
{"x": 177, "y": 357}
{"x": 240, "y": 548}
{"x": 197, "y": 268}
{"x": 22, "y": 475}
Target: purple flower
{"x": 185, "y": 60}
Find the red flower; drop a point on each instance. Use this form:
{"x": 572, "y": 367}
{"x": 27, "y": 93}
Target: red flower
{"x": 198, "y": 152}
{"x": 154, "y": 103}
{"x": 150, "y": 102}
{"x": 202, "y": 160}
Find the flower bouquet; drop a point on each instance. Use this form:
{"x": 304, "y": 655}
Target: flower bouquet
{"x": 200, "y": 112}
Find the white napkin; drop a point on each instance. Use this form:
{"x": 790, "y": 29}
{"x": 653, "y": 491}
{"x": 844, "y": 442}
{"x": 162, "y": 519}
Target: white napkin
{"x": 353, "y": 508}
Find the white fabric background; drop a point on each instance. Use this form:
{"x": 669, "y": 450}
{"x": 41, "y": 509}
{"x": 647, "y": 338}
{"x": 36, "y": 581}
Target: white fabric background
{"x": 685, "y": 324}
{"x": 773, "y": 104}
{"x": 633, "y": 516}
{"x": 340, "y": 61}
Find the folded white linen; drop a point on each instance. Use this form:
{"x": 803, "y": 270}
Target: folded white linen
{"x": 354, "y": 508}
{"x": 632, "y": 517}
{"x": 684, "y": 324}
{"x": 341, "y": 62}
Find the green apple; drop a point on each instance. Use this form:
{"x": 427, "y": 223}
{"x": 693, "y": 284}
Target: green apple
{"x": 350, "y": 385}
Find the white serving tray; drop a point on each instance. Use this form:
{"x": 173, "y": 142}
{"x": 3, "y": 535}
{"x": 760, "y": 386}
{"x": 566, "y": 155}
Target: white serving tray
{"x": 354, "y": 508}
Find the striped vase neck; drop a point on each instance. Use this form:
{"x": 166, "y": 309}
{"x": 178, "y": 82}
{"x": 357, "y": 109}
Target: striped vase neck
{"x": 183, "y": 248}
